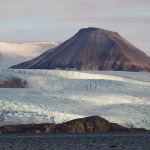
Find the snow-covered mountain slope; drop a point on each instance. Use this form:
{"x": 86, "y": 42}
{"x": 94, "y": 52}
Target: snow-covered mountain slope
{"x": 58, "y": 96}
{"x": 15, "y": 53}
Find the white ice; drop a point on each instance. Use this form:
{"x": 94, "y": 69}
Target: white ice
{"x": 58, "y": 96}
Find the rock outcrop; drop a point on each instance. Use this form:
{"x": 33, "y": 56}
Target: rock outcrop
{"x": 88, "y": 124}
{"x": 92, "y": 49}
{"x": 13, "y": 83}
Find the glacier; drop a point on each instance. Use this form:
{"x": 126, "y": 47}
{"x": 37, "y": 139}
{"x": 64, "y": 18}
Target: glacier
{"x": 57, "y": 96}
{"x": 12, "y": 53}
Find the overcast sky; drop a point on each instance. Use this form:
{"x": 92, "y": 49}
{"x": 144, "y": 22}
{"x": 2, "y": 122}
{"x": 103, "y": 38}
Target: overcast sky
{"x": 58, "y": 20}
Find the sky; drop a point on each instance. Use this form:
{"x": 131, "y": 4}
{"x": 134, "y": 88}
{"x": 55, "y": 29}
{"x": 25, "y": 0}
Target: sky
{"x": 58, "y": 20}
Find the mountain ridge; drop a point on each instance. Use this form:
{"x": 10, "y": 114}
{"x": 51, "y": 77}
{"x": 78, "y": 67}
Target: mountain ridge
{"x": 92, "y": 49}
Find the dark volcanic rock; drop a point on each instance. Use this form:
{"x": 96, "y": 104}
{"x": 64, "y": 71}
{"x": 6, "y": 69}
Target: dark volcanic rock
{"x": 92, "y": 49}
{"x": 13, "y": 83}
{"x": 88, "y": 124}
{"x": 28, "y": 128}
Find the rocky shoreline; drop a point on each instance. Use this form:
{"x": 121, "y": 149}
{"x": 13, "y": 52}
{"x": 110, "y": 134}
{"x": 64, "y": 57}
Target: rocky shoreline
{"x": 88, "y": 124}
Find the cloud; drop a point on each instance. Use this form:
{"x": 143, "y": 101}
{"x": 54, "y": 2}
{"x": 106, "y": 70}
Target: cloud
{"x": 60, "y": 19}
{"x": 20, "y": 8}
{"x": 5, "y": 30}
{"x": 118, "y": 19}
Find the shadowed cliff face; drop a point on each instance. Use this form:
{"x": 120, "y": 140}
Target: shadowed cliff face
{"x": 92, "y": 49}
{"x": 88, "y": 124}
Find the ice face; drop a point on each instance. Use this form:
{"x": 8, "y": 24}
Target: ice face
{"x": 58, "y": 96}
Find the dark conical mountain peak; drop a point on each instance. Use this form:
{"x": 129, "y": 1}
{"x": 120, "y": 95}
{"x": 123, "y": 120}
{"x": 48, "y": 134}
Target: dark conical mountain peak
{"x": 92, "y": 29}
{"x": 92, "y": 49}
{"x": 96, "y": 31}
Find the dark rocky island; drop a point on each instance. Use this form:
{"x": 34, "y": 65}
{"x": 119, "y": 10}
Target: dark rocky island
{"x": 92, "y": 49}
{"x": 88, "y": 124}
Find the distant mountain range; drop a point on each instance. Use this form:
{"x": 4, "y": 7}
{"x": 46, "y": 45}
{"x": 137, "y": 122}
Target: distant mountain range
{"x": 88, "y": 124}
{"x": 15, "y": 53}
{"x": 92, "y": 49}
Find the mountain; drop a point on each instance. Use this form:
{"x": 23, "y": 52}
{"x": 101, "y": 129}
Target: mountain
{"x": 92, "y": 49}
{"x": 88, "y": 124}
{"x": 15, "y": 53}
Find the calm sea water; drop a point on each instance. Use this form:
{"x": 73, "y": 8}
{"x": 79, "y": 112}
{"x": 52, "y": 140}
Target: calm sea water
{"x": 76, "y": 141}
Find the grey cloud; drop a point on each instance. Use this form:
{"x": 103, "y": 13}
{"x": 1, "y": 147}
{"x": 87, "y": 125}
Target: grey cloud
{"x": 123, "y": 19}
{"x": 71, "y": 15}
{"x": 21, "y": 8}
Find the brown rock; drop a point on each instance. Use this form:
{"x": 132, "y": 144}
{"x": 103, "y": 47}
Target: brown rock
{"x": 88, "y": 124}
{"x": 28, "y": 128}
{"x": 92, "y": 49}
{"x": 13, "y": 83}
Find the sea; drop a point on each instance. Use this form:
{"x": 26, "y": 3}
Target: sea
{"x": 76, "y": 141}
